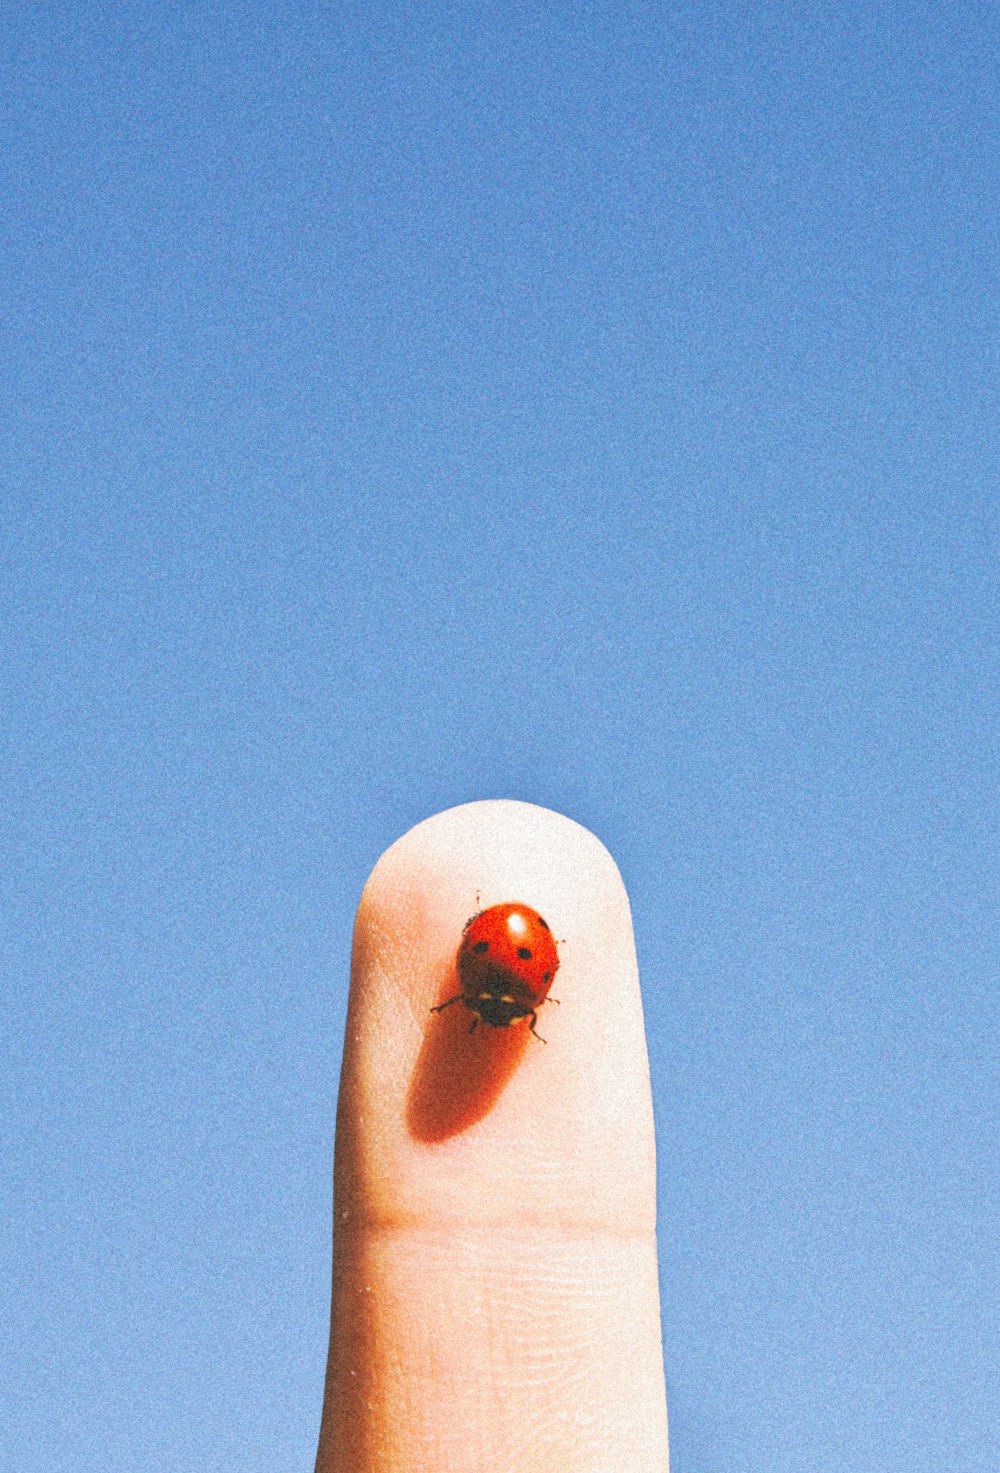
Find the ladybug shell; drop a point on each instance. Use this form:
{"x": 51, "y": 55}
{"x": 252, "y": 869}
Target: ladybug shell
{"x": 507, "y": 957}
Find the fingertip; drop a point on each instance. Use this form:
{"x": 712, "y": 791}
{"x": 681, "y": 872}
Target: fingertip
{"x": 418, "y": 1080}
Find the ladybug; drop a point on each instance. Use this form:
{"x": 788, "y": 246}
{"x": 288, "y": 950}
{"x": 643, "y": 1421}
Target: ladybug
{"x": 506, "y": 963}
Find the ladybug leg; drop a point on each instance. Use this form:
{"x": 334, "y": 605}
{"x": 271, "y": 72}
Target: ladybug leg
{"x": 531, "y": 1025}
{"x": 442, "y": 1005}
{"x": 475, "y": 1025}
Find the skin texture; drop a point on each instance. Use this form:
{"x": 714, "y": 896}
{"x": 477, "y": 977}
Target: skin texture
{"x": 495, "y": 1301}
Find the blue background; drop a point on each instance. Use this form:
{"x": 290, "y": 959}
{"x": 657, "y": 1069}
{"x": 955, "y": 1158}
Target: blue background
{"x": 592, "y": 404}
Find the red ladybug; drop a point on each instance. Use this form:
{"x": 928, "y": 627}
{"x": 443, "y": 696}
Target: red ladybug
{"x": 506, "y": 963}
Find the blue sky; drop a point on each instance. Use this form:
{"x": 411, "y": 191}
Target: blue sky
{"x": 595, "y": 405}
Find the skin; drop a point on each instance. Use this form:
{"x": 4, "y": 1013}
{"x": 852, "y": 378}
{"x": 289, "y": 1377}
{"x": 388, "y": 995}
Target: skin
{"x": 495, "y": 1301}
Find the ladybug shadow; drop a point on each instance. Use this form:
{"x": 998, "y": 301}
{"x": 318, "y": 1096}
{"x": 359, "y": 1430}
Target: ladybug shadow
{"x": 459, "y": 1075}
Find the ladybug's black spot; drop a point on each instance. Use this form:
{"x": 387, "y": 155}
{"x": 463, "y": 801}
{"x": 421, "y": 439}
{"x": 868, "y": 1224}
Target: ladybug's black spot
{"x": 481, "y": 946}
{"x": 543, "y": 922}
{"x": 546, "y": 976}
{"x": 524, "y": 953}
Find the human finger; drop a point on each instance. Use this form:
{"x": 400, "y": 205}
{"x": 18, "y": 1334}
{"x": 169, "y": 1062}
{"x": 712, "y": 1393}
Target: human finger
{"x": 495, "y": 1300}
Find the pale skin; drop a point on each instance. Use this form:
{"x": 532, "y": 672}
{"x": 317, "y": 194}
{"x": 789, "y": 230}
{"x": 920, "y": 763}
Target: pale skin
{"x": 495, "y": 1301}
